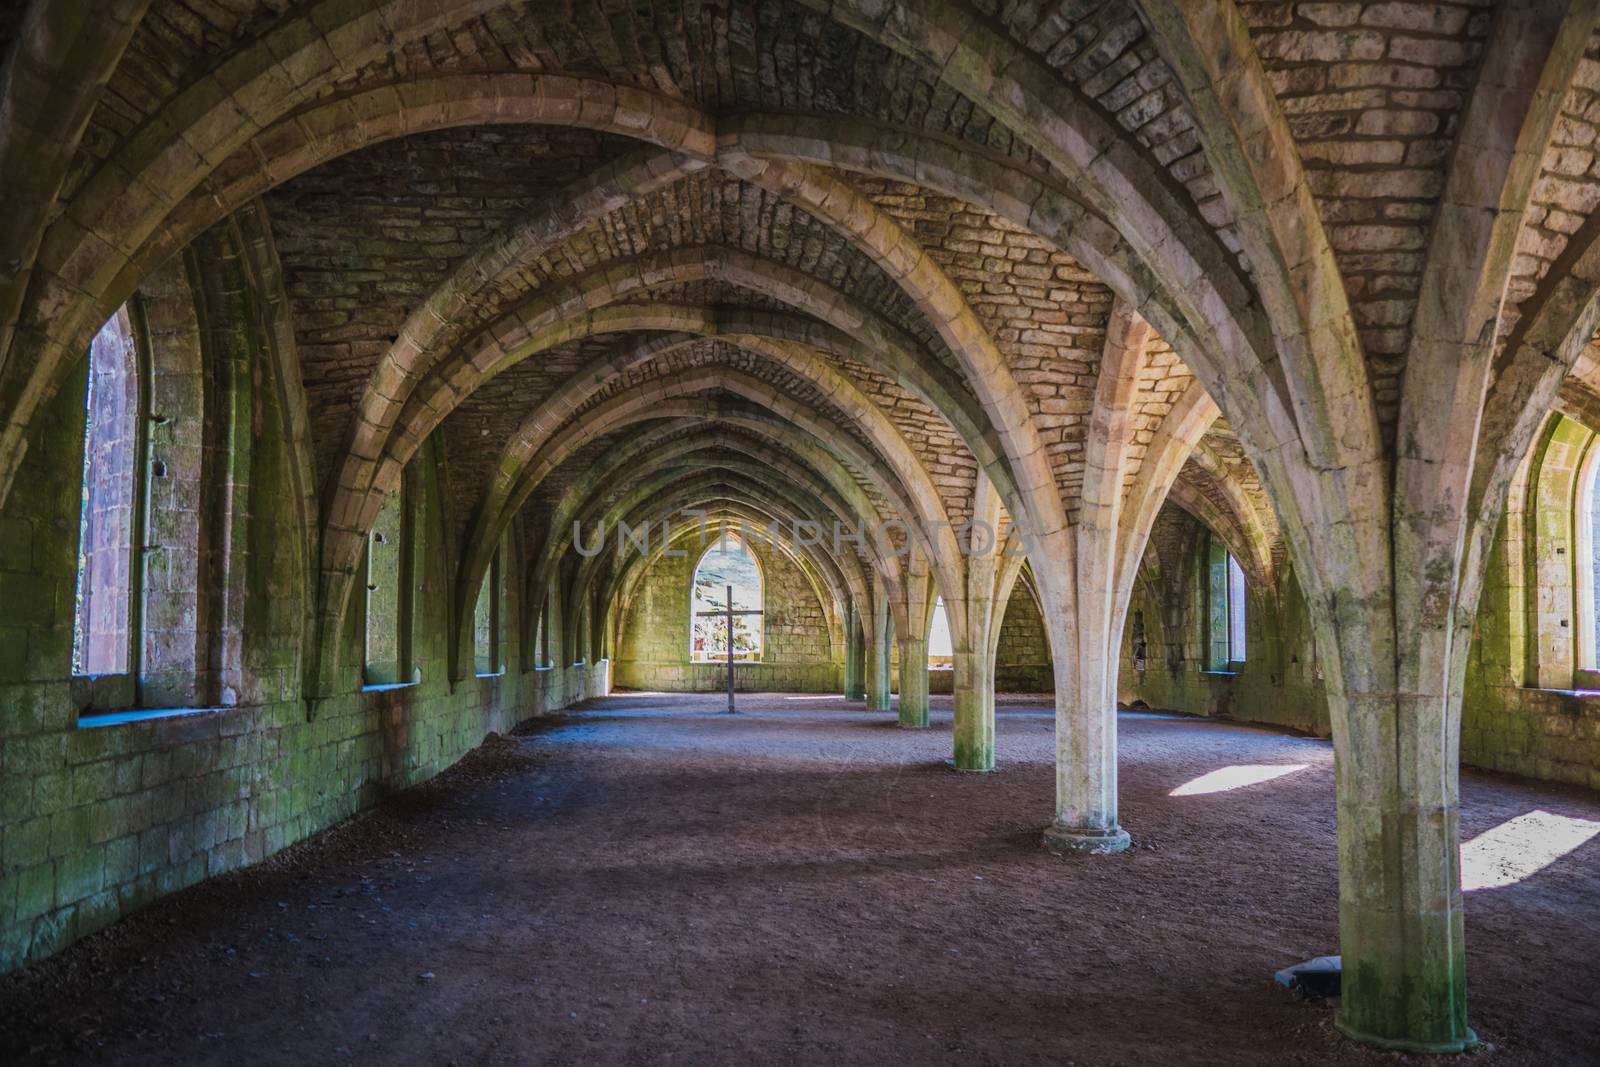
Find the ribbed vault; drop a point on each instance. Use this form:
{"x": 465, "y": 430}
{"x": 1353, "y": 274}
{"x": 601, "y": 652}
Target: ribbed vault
{"x": 1040, "y": 268}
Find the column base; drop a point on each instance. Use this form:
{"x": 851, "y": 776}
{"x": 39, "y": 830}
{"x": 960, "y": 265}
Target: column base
{"x": 1091, "y": 842}
{"x": 954, "y": 766}
{"x": 1395, "y": 1044}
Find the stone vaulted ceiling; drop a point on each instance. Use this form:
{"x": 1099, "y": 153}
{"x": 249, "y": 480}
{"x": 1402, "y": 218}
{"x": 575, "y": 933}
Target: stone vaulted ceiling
{"x": 373, "y": 221}
{"x": 1315, "y": 273}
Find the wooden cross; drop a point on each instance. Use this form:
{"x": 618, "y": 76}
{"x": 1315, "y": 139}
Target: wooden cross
{"x": 728, "y": 613}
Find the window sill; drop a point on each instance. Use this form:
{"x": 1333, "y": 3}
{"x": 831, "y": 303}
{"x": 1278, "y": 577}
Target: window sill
{"x": 1222, "y": 673}
{"x": 1585, "y": 680}
{"x": 385, "y": 687}
{"x": 490, "y": 674}
{"x": 98, "y": 719}
{"x": 1586, "y": 693}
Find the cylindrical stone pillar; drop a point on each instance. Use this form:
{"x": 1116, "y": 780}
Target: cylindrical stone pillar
{"x": 973, "y": 703}
{"x": 913, "y": 682}
{"x": 1086, "y": 764}
{"x": 855, "y": 657}
{"x": 1400, "y": 915}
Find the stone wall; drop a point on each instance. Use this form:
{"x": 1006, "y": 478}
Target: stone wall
{"x": 1529, "y": 707}
{"x": 1278, "y": 683}
{"x": 798, "y": 650}
{"x": 101, "y": 812}
{"x": 1550, "y": 732}
{"x": 1022, "y": 662}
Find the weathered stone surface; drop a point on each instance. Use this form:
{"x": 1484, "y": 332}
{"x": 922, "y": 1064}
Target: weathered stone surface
{"x": 508, "y": 264}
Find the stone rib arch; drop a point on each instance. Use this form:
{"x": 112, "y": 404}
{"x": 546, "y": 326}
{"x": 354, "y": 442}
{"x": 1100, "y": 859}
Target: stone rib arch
{"x": 86, "y": 251}
{"x": 649, "y": 401}
{"x": 1213, "y": 517}
{"x": 798, "y": 437}
{"x": 1036, "y": 202}
{"x": 592, "y": 197}
{"x": 1208, "y": 47}
{"x": 667, "y": 464}
{"x": 619, "y": 589}
{"x": 772, "y": 507}
{"x": 1555, "y": 328}
{"x": 759, "y": 412}
{"x": 646, "y": 402}
{"x": 941, "y": 165}
{"x": 352, "y": 510}
{"x": 783, "y": 337}
{"x": 783, "y": 502}
{"x": 1506, "y": 130}
{"x": 51, "y": 75}
{"x": 1116, "y": 177}
{"x": 582, "y": 309}
{"x": 986, "y": 371}
{"x": 655, "y": 444}
{"x": 1175, "y": 438}
{"x": 341, "y": 542}
{"x": 882, "y": 239}
{"x": 1256, "y": 559}
{"x": 757, "y": 468}
{"x": 509, "y": 487}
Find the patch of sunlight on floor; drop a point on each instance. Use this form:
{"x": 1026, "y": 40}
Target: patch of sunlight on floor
{"x": 825, "y": 696}
{"x": 1236, "y": 777}
{"x": 1520, "y": 847}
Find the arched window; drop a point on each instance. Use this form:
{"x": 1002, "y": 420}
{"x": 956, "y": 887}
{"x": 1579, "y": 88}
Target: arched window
{"x": 1139, "y": 641}
{"x": 941, "y": 652}
{"x": 1586, "y": 562}
{"x": 1225, "y": 607}
{"x": 389, "y": 557}
{"x": 545, "y": 624}
{"x": 486, "y": 621}
{"x": 728, "y": 563}
{"x": 1551, "y": 566}
{"x": 107, "y": 596}
{"x": 152, "y": 619}
{"x": 1235, "y": 610}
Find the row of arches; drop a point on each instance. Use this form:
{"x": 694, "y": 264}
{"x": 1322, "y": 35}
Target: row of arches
{"x": 895, "y": 382}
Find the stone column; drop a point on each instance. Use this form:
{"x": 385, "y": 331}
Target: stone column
{"x": 877, "y": 656}
{"x": 855, "y": 666}
{"x": 913, "y": 681}
{"x": 1400, "y": 912}
{"x": 987, "y": 569}
{"x": 1086, "y": 756}
{"x": 1085, "y": 650}
{"x": 973, "y": 703}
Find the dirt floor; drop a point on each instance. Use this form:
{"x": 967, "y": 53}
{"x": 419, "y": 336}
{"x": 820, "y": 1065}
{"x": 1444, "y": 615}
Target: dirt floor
{"x": 645, "y": 881}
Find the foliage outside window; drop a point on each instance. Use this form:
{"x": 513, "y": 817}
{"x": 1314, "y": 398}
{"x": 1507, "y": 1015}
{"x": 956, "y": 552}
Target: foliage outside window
{"x": 104, "y": 622}
{"x": 941, "y": 651}
{"x": 486, "y": 621}
{"x": 1225, "y": 608}
{"x": 387, "y": 580}
{"x": 728, "y": 562}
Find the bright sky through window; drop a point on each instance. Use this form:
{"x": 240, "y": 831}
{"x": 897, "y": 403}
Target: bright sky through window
{"x": 726, "y": 562}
